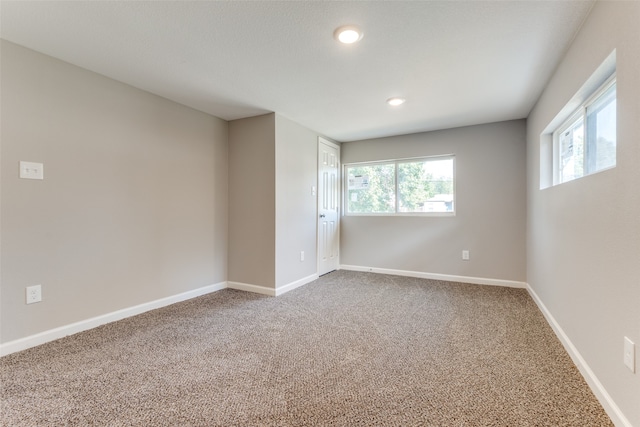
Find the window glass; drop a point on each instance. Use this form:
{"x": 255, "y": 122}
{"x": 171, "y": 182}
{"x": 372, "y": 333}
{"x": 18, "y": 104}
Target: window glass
{"x": 586, "y": 142}
{"x": 415, "y": 186}
{"x": 601, "y": 131}
{"x": 572, "y": 151}
{"x": 371, "y": 188}
{"x": 425, "y": 186}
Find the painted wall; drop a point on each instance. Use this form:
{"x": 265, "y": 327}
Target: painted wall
{"x": 133, "y": 207}
{"x": 252, "y": 202}
{"x": 583, "y": 254}
{"x": 272, "y": 213}
{"x": 296, "y": 219}
{"x": 490, "y": 207}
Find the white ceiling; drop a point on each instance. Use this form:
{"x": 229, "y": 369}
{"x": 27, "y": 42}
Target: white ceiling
{"x": 457, "y": 63}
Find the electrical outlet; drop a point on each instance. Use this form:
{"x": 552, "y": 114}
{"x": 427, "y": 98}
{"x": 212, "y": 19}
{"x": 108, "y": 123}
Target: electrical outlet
{"x": 630, "y": 354}
{"x": 465, "y": 255}
{"x": 301, "y": 255}
{"x": 34, "y": 294}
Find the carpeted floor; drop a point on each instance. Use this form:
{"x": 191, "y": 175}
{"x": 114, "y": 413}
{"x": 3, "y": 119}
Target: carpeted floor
{"x": 350, "y": 349}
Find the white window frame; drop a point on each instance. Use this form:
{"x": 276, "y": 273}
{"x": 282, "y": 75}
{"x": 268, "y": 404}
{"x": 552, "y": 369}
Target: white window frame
{"x": 580, "y": 112}
{"x": 395, "y": 162}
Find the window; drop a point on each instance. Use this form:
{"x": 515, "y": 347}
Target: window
{"x": 586, "y": 142}
{"x": 401, "y": 187}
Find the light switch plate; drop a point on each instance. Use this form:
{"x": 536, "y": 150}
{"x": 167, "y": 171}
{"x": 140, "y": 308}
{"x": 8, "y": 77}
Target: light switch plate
{"x": 31, "y": 170}
{"x": 630, "y": 354}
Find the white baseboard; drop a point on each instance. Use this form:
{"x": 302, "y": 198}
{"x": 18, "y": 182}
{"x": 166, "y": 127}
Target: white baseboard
{"x": 596, "y": 386}
{"x": 293, "y": 285}
{"x": 256, "y": 289}
{"x": 437, "y": 276}
{"x": 83, "y": 325}
{"x": 273, "y": 292}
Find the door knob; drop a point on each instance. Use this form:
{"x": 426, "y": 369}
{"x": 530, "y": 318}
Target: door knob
{"x": 322, "y": 215}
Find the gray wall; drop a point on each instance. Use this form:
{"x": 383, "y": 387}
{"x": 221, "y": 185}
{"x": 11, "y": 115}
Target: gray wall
{"x": 272, "y": 213}
{"x": 490, "y": 207}
{"x": 296, "y": 220}
{"x": 133, "y": 206}
{"x": 584, "y": 236}
{"x": 252, "y": 201}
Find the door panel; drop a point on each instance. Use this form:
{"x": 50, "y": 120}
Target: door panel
{"x": 328, "y": 207}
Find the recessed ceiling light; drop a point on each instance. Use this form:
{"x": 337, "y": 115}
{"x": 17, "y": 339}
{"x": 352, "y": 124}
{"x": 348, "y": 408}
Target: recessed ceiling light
{"x": 348, "y": 34}
{"x": 394, "y": 102}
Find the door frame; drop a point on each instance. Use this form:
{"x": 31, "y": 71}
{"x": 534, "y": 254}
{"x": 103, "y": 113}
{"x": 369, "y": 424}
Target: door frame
{"x": 325, "y": 141}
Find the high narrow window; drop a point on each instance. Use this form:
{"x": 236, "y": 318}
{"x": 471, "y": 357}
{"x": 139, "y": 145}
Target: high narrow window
{"x": 586, "y": 142}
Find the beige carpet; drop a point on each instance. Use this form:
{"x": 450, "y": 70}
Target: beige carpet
{"x": 350, "y": 349}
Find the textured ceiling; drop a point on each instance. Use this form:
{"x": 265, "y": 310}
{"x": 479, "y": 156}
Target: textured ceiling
{"x": 457, "y": 63}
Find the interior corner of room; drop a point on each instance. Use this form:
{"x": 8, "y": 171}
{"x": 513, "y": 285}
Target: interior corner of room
{"x": 134, "y": 201}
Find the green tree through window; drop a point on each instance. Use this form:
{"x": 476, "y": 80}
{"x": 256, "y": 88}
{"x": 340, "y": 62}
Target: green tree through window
{"x": 372, "y": 189}
{"x": 423, "y": 186}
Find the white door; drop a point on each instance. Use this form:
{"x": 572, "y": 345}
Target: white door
{"x": 328, "y": 206}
